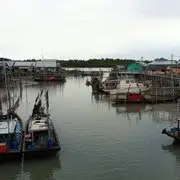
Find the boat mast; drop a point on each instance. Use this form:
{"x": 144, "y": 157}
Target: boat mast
{"x": 7, "y": 88}
{"x": 47, "y": 111}
{"x": 178, "y": 124}
{"x": 42, "y": 57}
{"x": 46, "y": 96}
{"x": 1, "y": 111}
{"x": 8, "y": 99}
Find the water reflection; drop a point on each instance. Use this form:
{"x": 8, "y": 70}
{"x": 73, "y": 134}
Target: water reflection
{"x": 41, "y": 168}
{"x": 51, "y": 85}
{"x": 133, "y": 108}
{"x": 174, "y": 149}
{"x": 158, "y": 112}
{"x": 10, "y": 170}
{"x": 103, "y": 98}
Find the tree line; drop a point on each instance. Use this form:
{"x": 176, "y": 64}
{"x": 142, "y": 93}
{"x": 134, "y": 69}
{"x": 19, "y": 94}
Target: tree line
{"x": 97, "y": 62}
{"x": 104, "y": 62}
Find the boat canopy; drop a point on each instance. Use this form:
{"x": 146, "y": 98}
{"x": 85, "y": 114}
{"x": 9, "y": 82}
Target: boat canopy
{"x": 7, "y": 127}
{"x": 38, "y": 125}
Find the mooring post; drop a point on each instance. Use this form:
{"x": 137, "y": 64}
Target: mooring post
{"x": 156, "y": 95}
{"x": 178, "y": 104}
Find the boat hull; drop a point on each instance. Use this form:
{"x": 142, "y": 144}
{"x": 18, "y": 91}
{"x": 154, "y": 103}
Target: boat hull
{"x": 41, "y": 153}
{"x": 14, "y": 154}
{"x": 125, "y": 91}
{"x": 123, "y": 101}
{"x": 138, "y": 98}
{"x": 172, "y": 135}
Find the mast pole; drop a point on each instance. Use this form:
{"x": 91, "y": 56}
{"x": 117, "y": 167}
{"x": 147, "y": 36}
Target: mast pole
{"x": 1, "y": 110}
{"x": 46, "y": 94}
{"x": 47, "y": 111}
{"x": 8, "y": 99}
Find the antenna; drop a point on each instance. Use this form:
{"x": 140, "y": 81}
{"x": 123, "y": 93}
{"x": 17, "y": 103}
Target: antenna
{"x": 42, "y": 58}
{"x": 171, "y": 57}
{"x": 46, "y": 96}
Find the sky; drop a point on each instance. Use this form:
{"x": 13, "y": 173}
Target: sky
{"x": 84, "y": 29}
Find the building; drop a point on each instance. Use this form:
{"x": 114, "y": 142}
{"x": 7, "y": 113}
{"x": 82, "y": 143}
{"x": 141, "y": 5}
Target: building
{"x": 46, "y": 65}
{"x": 24, "y": 66}
{"x": 163, "y": 66}
{"x": 50, "y": 65}
{"x": 162, "y": 61}
{"x": 156, "y": 69}
{"x": 119, "y": 68}
{"x": 135, "y": 67}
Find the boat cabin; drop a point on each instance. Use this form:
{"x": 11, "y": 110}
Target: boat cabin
{"x": 39, "y": 124}
{"x": 38, "y": 138}
{"x": 10, "y": 135}
{"x": 129, "y": 82}
{"x": 111, "y": 84}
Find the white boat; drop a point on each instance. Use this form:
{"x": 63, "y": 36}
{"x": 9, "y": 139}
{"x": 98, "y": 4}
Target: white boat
{"x": 124, "y": 85}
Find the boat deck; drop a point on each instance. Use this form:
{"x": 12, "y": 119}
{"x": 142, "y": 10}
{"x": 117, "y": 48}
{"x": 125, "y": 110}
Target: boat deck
{"x": 39, "y": 123}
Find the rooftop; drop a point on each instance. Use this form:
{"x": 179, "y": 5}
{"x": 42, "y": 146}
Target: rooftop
{"x": 24, "y": 63}
{"x": 163, "y": 62}
{"x": 157, "y": 67}
{"x": 45, "y": 63}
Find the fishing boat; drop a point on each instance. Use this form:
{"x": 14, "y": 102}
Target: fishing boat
{"x": 40, "y": 136}
{"x": 173, "y": 132}
{"x": 122, "y": 86}
{"x": 11, "y": 136}
{"x": 140, "y": 98}
{"x": 11, "y": 126}
{"x": 50, "y": 77}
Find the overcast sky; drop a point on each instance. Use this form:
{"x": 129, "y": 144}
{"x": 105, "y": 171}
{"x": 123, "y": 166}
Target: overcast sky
{"x": 86, "y": 29}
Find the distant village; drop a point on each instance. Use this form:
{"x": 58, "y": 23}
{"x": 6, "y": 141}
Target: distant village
{"x": 27, "y": 67}
{"x": 19, "y": 68}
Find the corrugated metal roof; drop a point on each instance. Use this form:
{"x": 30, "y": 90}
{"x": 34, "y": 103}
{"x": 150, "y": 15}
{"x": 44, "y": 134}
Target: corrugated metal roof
{"x": 166, "y": 62}
{"x": 157, "y": 67}
{"x": 46, "y": 64}
{"x": 24, "y": 64}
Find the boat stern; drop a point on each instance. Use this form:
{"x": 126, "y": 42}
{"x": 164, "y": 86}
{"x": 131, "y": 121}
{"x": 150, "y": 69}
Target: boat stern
{"x": 164, "y": 131}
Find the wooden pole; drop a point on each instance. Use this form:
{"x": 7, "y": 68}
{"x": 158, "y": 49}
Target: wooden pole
{"x": 178, "y": 124}
{"x": 156, "y": 96}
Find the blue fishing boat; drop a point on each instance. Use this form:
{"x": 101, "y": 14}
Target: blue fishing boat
{"x": 40, "y": 136}
{"x": 11, "y": 126}
{"x": 11, "y": 136}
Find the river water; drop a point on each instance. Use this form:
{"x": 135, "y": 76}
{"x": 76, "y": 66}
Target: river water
{"x": 99, "y": 141}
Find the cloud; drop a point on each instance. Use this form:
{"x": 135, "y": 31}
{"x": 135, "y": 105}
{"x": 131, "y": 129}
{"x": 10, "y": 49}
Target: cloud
{"x": 159, "y": 8}
{"x": 88, "y": 28}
